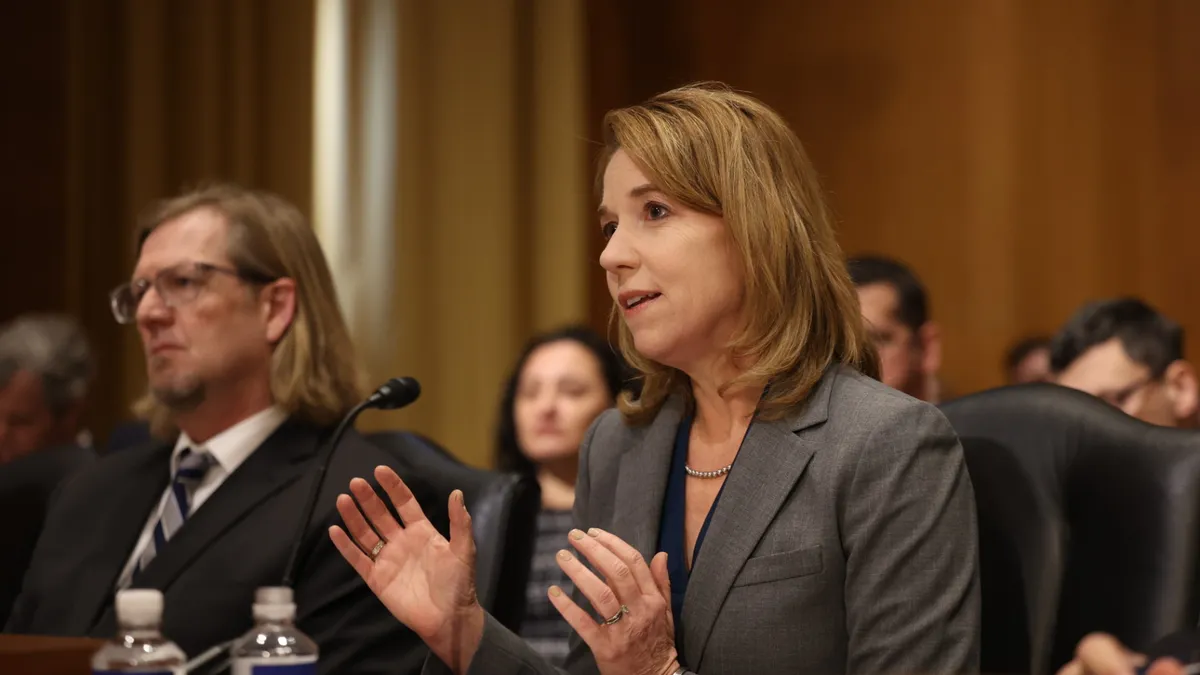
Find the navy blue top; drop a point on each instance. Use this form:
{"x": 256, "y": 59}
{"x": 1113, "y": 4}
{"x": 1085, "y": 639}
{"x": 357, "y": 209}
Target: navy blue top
{"x": 670, "y": 532}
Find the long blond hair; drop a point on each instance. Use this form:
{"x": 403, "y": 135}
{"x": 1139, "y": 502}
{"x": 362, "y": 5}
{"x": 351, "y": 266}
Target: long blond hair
{"x": 315, "y": 373}
{"x": 727, "y": 154}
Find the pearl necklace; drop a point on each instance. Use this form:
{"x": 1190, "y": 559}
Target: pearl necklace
{"x": 707, "y": 474}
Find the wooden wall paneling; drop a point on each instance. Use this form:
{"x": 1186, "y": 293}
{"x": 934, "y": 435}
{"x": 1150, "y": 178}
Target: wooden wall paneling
{"x": 634, "y": 50}
{"x": 33, "y": 120}
{"x": 1023, "y": 157}
{"x": 1175, "y": 139}
{"x": 97, "y": 206}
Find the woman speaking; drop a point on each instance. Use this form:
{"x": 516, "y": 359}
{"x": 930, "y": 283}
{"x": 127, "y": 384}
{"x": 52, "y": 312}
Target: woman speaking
{"x": 765, "y": 505}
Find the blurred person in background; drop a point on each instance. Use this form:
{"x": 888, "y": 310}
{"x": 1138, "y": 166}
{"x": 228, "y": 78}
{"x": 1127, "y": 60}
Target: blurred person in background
{"x": 561, "y": 383}
{"x": 1028, "y": 361}
{"x": 1125, "y": 352}
{"x": 896, "y": 308}
{"x": 45, "y": 370}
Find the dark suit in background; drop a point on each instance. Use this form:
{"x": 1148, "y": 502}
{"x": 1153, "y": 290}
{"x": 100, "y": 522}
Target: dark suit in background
{"x": 26, "y": 485}
{"x": 235, "y": 542}
{"x": 128, "y": 435}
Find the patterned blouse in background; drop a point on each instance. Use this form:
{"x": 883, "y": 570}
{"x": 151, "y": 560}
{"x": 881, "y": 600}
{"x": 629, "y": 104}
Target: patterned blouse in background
{"x": 543, "y": 627}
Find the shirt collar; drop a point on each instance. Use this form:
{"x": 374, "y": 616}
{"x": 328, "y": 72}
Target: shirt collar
{"x": 232, "y": 446}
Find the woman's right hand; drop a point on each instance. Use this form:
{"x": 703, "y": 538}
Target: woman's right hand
{"x": 1101, "y": 654}
{"x": 427, "y": 582}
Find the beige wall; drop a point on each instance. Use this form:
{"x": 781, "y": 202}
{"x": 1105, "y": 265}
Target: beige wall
{"x": 488, "y": 247}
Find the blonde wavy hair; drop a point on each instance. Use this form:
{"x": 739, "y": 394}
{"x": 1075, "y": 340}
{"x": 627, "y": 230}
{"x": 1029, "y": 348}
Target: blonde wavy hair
{"x": 727, "y": 154}
{"x": 315, "y": 373}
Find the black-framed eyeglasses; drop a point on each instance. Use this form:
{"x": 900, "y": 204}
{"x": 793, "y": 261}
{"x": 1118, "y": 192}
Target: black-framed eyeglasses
{"x": 1120, "y": 397}
{"x": 176, "y": 285}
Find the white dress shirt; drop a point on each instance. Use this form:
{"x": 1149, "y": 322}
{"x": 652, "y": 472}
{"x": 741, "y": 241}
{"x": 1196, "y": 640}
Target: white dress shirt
{"x": 229, "y": 449}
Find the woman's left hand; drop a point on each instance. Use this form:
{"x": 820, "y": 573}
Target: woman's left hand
{"x": 639, "y": 636}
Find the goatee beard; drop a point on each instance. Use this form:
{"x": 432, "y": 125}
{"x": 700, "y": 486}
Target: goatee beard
{"x": 181, "y": 399}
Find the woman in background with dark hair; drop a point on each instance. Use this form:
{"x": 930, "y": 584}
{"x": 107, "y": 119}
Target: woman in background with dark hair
{"x": 561, "y": 383}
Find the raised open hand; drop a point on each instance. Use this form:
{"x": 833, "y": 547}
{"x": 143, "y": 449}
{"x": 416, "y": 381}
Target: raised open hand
{"x": 637, "y": 635}
{"x": 427, "y": 582}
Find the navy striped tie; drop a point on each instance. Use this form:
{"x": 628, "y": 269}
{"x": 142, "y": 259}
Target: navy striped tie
{"x": 192, "y": 468}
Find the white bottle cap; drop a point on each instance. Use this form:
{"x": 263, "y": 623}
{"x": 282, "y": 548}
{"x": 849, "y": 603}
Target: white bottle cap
{"x": 273, "y": 595}
{"x": 139, "y": 607}
{"x": 274, "y": 603}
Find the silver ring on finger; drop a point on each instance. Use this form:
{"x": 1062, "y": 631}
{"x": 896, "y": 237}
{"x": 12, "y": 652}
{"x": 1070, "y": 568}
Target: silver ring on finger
{"x": 375, "y": 551}
{"x": 617, "y": 617}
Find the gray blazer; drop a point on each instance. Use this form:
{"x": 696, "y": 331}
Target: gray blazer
{"x": 844, "y": 541}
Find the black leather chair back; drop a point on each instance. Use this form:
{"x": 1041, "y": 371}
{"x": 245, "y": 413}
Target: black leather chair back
{"x": 503, "y": 508}
{"x": 1089, "y": 520}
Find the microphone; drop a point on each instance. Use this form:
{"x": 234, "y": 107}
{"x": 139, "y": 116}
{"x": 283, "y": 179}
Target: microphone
{"x": 393, "y": 395}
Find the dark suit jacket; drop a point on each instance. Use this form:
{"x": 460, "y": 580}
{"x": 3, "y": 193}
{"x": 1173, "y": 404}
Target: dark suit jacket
{"x": 128, "y": 435}
{"x": 844, "y": 541}
{"x": 237, "y": 541}
{"x": 26, "y": 485}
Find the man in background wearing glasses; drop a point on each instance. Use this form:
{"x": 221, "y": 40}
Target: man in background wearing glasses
{"x": 249, "y": 365}
{"x": 1128, "y": 354}
{"x": 1125, "y": 352}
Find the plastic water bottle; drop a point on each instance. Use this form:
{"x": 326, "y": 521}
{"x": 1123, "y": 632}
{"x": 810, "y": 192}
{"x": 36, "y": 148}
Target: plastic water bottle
{"x": 139, "y": 646}
{"x": 274, "y": 646}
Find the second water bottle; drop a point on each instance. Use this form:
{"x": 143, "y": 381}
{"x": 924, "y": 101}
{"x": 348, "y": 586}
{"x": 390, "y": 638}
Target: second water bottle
{"x": 274, "y": 646}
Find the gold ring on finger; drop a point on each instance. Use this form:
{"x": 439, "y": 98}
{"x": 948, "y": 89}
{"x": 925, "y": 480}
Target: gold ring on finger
{"x": 618, "y": 616}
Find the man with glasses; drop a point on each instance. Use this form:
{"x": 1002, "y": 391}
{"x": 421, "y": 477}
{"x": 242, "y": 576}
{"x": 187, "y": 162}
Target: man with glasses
{"x": 1126, "y": 353}
{"x": 249, "y": 365}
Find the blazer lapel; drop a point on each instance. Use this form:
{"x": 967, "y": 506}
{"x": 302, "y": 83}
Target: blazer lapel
{"x": 642, "y": 483}
{"x": 133, "y": 502}
{"x": 277, "y": 463}
{"x": 771, "y": 460}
